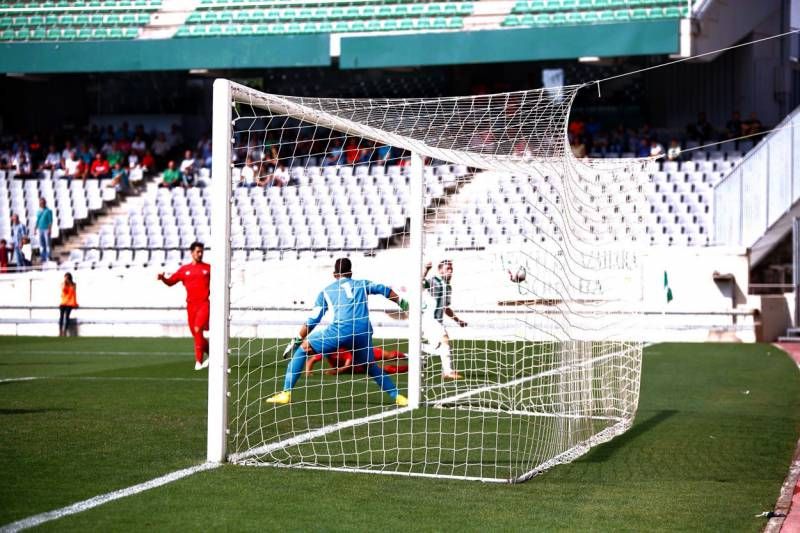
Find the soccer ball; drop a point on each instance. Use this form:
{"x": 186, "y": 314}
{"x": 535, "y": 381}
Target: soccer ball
{"x": 518, "y": 276}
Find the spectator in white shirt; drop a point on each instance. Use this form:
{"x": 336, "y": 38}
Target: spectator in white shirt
{"x": 74, "y": 168}
{"x": 188, "y": 169}
{"x": 247, "y": 176}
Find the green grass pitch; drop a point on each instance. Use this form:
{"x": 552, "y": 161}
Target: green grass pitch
{"x": 711, "y": 444}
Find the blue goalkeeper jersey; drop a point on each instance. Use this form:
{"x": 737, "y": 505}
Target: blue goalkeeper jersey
{"x": 348, "y": 300}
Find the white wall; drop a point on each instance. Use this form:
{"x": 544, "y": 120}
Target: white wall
{"x": 142, "y": 306}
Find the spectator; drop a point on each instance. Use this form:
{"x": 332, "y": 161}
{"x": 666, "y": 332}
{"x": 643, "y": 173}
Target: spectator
{"x": 44, "y": 222}
{"x": 171, "y": 177}
{"x": 21, "y": 164}
{"x": 67, "y": 151}
{"x": 138, "y": 146}
{"x": 148, "y": 162}
{"x": 578, "y": 147}
{"x": 100, "y": 168}
{"x": 27, "y": 252}
{"x": 733, "y": 128}
{"x": 674, "y": 150}
{"x": 74, "y": 168}
{"x": 188, "y": 169}
{"x": 643, "y": 150}
{"x": 334, "y": 155}
{"x": 656, "y": 148}
{"x": 204, "y": 151}
{"x": 4, "y": 252}
{"x": 119, "y": 178}
{"x": 19, "y": 232}
{"x": 69, "y": 301}
{"x": 247, "y": 176}
{"x": 114, "y": 155}
{"x": 160, "y": 148}
{"x": 52, "y": 161}
{"x": 700, "y": 131}
{"x": 753, "y": 126}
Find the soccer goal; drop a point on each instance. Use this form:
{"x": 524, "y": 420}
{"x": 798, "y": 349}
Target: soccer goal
{"x": 519, "y": 349}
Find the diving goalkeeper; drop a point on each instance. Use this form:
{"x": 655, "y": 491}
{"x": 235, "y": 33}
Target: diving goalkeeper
{"x": 350, "y": 330}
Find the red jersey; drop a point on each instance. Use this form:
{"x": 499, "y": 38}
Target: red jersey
{"x": 196, "y": 278}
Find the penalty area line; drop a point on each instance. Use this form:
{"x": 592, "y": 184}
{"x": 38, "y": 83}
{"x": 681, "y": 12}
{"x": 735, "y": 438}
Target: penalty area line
{"x": 96, "y": 501}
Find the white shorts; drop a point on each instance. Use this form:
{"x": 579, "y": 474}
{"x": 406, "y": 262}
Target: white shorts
{"x": 433, "y": 333}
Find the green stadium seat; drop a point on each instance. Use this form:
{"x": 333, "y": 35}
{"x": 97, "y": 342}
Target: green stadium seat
{"x": 417, "y": 10}
{"x": 356, "y": 26}
{"x": 606, "y": 16}
{"x": 424, "y": 24}
{"x": 5, "y": 22}
{"x": 96, "y": 20}
{"x": 130, "y": 33}
{"x": 7, "y": 35}
{"x": 115, "y": 33}
{"x": 183, "y": 31}
{"x": 401, "y": 11}
{"x": 241, "y": 16}
{"x": 672, "y": 12}
{"x": 455, "y": 23}
{"x": 210, "y": 17}
{"x": 527, "y": 20}
{"x": 433, "y": 9}
{"x": 66, "y": 20}
{"x": 53, "y": 34}
{"x": 466, "y": 8}
{"x": 36, "y": 20}
{"x": 385, "y": 11}
{"x": 390, "y": 25}
{"x": 18, "y": 22}
{"x": 520, "y": 7}
{"x": 305, "y": 14}
{"x": 558, "y": 19}
{"x": 373, "y": 25}
{"x": 340, "y": 27}
{"x": 230, "y": 29}
{"x": 128, "y": 19}
{"x": 622, "y": 15}
{"x": 325, "y": 27}
{"x": 100, "y": 33}
{"x": 214, "y": 30}
{"x": 440, "y": 24}
{"x": 38, "y": 34}
{"x": 261, "y": 29}
{"x": 406, "y": 24}
{"x": 84, "y": 33}
{"x": 640, "y": 14}
{"x": 111, "y": 20}
{"x": 287, "y": 14}
{"x": 542, "y": 19}
{"x": 293, "y": 28}
{"x": 225, "y": 16}
{"x": 22, "y": 34}
{"x": 336, "y": 13}
{"x": 61, "y": 4}
{"x": 51, "y": 20}
{"x": 450, "y": 9}
{"x": 352, "y": 13}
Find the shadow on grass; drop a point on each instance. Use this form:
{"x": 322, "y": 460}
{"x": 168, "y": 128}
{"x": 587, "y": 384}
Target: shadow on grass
{"x": 605, "y": 451}
{"x": 31, "y": 411}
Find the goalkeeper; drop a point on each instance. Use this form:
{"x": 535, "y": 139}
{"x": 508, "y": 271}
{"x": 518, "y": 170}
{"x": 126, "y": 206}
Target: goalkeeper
{"x": 436, "y": 304}
{"x": 350, "y": 330}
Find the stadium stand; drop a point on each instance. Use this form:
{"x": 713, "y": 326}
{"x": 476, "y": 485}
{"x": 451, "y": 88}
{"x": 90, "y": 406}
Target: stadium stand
{"x": 480, "y": 212}
{"x": 233, "y": 18}
{"x": 543, "y": 13}
{"x": 70, "y": 21}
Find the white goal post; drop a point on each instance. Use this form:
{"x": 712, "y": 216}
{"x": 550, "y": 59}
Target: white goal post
{"x": 519, "y": 349}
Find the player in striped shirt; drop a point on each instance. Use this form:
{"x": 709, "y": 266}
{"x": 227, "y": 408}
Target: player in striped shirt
{"x": 350, "y": 330}
{"x": 436, "y": 304}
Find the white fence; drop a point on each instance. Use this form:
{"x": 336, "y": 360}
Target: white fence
{"x": 759, "y": 190}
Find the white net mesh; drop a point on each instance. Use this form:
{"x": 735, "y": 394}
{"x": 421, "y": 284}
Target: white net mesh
{"x": 529, "y": 354}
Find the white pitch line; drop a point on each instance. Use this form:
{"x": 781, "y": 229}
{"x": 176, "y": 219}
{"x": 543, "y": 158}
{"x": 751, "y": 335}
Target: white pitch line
{"x": 9, "y": 380}
{"x": 99, "y": 378}
{"x": 85, "y": 505}
{"x": 61, "y": 352}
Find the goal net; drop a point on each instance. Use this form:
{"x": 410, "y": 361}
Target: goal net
{"x": 519, "y": 349}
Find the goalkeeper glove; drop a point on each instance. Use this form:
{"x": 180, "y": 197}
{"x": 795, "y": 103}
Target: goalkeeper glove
{"x": 403, "y": 305}
{"x": 290, "y": 348}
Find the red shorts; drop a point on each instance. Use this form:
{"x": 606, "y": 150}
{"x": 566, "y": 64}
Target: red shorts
{"x": 198, "y": 315}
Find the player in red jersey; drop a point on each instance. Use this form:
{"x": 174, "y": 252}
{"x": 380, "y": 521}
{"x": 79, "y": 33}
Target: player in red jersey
{"x": 196, "y": 277}
{"x": 342, "y": 361}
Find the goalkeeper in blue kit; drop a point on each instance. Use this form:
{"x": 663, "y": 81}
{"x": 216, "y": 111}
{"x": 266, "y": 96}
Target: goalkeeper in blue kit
{"x": 350, "y": 330}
